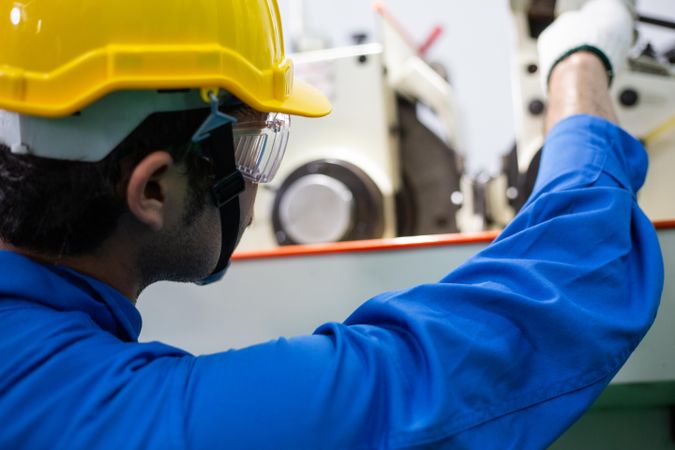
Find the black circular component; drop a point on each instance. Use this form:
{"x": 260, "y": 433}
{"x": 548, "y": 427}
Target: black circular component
{"x": 363, "y": 59}
{"x": 536, "y": 107}
{"x": 629, "y": 97}
{"x": 532, "y": 68}
{"x": 359, "y": 204}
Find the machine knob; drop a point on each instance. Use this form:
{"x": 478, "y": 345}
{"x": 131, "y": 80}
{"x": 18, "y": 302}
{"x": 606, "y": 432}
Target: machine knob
{"x": 536, "y": 107}
{"x": 629, "y": 97}
{"x": 316, "y": 209}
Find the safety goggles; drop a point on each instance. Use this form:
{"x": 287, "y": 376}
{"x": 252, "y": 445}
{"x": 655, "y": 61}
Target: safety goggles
{"x": 259, "y": 142}
{"x": 260, "y": 145}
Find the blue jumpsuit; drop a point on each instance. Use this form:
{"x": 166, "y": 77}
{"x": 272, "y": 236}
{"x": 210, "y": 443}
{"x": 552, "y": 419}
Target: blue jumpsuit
{"x": 505, "y": 352}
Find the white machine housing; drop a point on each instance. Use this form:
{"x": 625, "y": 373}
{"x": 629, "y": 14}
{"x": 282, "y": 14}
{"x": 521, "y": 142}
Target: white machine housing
{"x": 368, "y": 84}
{"x": 359, "y": 131}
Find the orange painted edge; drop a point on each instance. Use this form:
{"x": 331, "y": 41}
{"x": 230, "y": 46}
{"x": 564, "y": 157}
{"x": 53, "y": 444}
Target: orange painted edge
{"x": 377, "y": 245}
{"x": 372, "y": 245}
{"x": 664, "y": 224}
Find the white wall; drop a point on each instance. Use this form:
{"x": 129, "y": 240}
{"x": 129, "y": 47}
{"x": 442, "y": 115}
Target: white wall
{"x": 476, "y": 48}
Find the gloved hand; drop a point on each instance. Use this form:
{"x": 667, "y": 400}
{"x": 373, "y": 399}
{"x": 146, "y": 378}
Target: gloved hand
{"x": 604, "y": 27}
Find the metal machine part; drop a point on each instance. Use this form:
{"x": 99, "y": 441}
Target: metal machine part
{"x": 519, "y": 185}
{"x": 301, "y": 212}
{"x": 644, "y": 94}
{"x": 327, "y": 201}
{"x": 430, "y": 196}
{"x": 413, "y": 77}
{"x": 431, "y": 168}
{"x": 409, "y": 175}
{"x": 358, "y": 134}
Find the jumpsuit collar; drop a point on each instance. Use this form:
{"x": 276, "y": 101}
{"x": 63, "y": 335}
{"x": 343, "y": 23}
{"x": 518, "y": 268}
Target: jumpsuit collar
{"x": 64, "y": 289}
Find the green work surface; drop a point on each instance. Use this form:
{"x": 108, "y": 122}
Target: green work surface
{"x": 626, "y": 417}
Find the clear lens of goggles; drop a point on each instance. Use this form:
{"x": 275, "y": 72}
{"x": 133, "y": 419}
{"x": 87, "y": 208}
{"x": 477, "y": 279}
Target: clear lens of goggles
{"x": 260, "y": 146}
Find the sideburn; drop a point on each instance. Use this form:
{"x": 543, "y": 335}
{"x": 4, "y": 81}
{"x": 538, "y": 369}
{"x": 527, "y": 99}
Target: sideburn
{"x": 199, "y": 171}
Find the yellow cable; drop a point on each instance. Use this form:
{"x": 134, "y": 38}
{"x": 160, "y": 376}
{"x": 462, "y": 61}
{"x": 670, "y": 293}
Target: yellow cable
{"x": 659, "y": 131}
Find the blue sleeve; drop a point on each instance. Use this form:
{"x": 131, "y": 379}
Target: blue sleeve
{"x": 522, "y": 337}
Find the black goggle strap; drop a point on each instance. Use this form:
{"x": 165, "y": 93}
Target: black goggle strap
{"x": 229, "y": 181}
{"x": 216, "y": 138}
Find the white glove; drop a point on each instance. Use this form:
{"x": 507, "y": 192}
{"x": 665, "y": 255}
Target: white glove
{"x": 604, "y": 27}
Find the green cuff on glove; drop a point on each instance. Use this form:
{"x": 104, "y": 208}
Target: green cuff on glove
{"x": 586, "y": 48}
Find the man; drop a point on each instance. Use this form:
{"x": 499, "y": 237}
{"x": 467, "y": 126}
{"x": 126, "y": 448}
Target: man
{"x": 131, "y": 187}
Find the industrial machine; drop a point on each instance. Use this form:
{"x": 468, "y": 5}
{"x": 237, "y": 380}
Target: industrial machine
{"x": 644, "y": 94}
{"x": 382, "y": 165}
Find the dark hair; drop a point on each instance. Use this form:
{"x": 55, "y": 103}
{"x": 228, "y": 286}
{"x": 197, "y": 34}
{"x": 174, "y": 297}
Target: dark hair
{"x": 67, "y": 208}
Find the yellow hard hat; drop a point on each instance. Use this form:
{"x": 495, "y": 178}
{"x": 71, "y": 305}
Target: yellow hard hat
{"x": 57, "y": 57}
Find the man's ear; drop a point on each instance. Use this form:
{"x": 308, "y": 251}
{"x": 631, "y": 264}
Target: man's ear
{"x": 147, "y": 189}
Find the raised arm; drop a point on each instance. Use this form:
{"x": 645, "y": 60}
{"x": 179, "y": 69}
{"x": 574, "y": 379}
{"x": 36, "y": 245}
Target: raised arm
{"x": 579, "y": 85}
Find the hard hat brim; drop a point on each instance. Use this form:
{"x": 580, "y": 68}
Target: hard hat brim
{"x": 305, "y": 100}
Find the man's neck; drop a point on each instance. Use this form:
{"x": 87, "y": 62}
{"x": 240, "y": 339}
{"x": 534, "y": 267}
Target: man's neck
{"x": 113, "y": 271}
